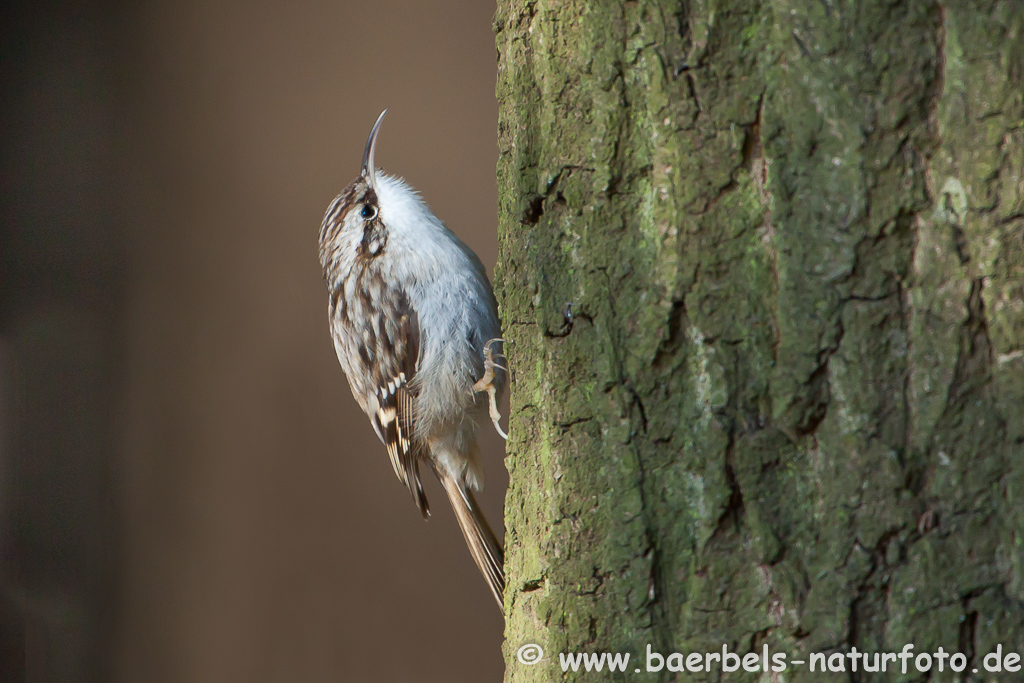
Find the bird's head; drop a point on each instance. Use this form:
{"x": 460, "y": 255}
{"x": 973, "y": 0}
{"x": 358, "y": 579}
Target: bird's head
{"x": 354, "y": 217}
{"x": 377, "y": 212}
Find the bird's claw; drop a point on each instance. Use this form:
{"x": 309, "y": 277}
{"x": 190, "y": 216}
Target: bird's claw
{"x": 486, "y": 383}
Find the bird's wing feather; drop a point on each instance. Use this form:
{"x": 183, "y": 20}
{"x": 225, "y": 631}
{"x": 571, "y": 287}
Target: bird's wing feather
{"x": 396, "y": 396}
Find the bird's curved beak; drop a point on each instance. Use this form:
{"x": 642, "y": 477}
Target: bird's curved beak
{"x": 369, "y": 171}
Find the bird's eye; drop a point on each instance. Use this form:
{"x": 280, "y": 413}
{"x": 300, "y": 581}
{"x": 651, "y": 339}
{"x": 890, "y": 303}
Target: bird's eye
{"x": 369, "y": 212}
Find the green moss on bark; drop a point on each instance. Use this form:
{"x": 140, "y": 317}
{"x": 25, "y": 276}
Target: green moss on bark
{"x": 762, "y": 273}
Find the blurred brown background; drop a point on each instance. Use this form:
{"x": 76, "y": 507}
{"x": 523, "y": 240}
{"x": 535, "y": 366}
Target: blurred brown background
{"x": 187, "y": 489}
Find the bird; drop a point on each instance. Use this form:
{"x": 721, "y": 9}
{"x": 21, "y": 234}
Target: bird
{"x": 415, "y": 325}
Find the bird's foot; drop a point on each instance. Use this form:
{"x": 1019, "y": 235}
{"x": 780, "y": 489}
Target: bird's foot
{"x": 486, "y": 383}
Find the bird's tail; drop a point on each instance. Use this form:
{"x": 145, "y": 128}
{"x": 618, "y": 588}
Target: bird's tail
{"x": 484, "y": 547}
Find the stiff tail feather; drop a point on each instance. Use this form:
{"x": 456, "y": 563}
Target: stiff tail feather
{"x": 483, "y": 546}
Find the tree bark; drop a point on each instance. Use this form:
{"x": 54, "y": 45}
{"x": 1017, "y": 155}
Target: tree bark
{"x": 762, "y": 277}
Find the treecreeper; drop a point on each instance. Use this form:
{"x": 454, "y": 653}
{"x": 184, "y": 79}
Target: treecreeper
{"x": 415, "y": 324}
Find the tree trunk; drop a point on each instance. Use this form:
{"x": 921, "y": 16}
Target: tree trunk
{"x": 761, "y": 276}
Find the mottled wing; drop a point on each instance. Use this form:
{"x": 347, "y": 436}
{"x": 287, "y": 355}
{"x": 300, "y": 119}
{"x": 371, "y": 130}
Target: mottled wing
{"x": 396, "y": 396}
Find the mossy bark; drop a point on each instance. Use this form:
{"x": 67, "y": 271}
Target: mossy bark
{"x": 762, "y": 277}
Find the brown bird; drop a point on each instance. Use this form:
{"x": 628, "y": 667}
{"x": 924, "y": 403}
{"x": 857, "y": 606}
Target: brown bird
{"x": 415, "y": 325}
